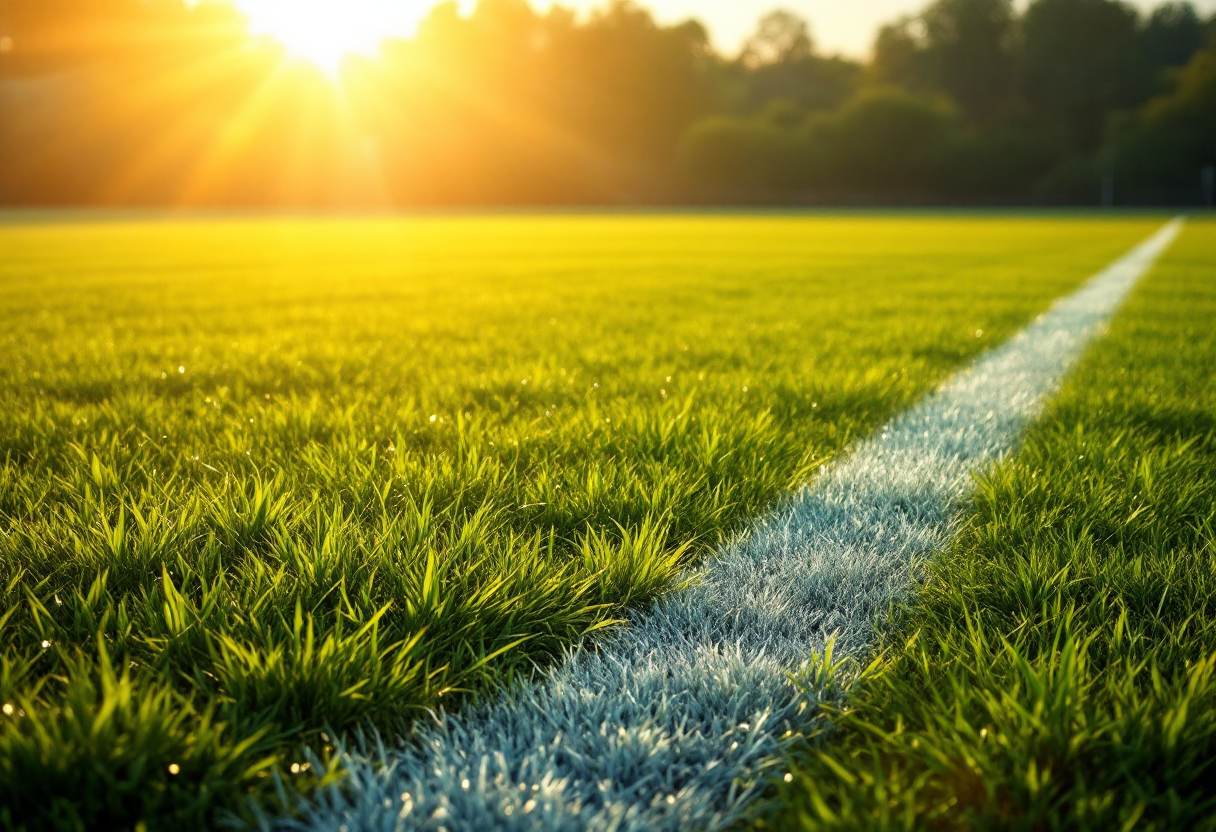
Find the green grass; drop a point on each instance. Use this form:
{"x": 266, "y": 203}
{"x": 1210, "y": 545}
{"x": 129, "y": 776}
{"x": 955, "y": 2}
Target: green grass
{"x": 1057, "y": 669}
{"x": 265, "y": 482}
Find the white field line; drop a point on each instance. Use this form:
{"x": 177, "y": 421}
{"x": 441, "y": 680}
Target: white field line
{"x": 670, "y": 723}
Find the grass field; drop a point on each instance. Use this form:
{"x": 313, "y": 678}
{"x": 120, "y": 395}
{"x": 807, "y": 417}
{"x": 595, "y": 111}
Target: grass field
{"x": 270, "y": 481}
{"x": 1057, "y": 669}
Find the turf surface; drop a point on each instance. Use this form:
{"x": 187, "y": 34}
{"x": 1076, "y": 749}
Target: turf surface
{"x": 269, "y": 479}
{"x": 675, "y": 721}
{"x": 1056, "y": 671}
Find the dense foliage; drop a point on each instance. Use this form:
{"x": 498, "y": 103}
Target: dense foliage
{"x": 1074, "y": 100}
{"x": 142, "y": 102}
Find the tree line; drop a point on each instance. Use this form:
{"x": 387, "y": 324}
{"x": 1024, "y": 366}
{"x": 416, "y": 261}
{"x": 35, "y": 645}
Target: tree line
{"x": 154, "y": 102}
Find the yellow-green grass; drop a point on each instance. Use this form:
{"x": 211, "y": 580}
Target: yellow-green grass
{"x": 270, "y": 480}
{"x": 1057, "y": 669}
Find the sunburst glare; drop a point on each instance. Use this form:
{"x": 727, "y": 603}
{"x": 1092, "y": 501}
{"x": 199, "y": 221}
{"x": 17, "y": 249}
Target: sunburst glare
{"x": 325, "y": 32}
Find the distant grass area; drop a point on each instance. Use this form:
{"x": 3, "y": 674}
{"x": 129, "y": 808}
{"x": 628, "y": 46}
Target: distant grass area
{"x": 1056, "y": 671}
{"x": 266, "y": 480}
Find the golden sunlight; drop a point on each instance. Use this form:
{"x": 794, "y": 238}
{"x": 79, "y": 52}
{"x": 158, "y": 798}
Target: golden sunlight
{"x": 326, "y": 31}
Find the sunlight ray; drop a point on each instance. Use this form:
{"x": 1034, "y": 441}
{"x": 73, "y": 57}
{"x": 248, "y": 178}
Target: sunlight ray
{"x": 237, "y": 133}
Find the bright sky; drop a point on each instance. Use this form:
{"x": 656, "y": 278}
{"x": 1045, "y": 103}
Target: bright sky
{"x": 324, "y": 30}
{"x": 837, "y": 25}
{"x": 845, "y": 26}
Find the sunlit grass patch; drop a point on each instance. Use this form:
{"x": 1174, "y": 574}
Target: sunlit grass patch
{"x": 1057, "y": 669}
{"x": 296, "y": 478}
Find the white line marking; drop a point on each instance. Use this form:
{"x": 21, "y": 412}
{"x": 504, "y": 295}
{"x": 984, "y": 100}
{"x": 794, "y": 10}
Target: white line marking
{"x": 670, "y": 723}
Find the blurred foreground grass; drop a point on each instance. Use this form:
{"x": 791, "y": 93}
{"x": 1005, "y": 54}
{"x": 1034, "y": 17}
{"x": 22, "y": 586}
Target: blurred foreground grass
{"x": 266, "y": 481}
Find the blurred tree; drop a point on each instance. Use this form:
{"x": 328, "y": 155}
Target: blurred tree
{"x": 1172, "y": 34}
{"x": 172, "y": 101}
{"x": 1082, "y": 59}
{"x": 1161, "y": 152}
{"x": 969, "y": 53}
{"x": 782, "y": 37}
{"x": 885, "y": 144}
{"x": 778, "y": 64}
{"x": 900, "y": 56}
{"x": 963, "y": 48}
{"x": 886, "y": 141}
{"x": 745, "y": 159}
{"x": 510, "y": 106}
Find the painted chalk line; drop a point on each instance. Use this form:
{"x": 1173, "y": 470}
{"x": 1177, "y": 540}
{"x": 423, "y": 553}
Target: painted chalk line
{"x": 670, "y": 723}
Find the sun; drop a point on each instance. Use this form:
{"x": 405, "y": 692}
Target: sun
{"x": 326, "y": 31}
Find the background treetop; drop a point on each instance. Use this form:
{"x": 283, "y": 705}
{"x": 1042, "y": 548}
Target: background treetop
{"x": 159, "y": 102}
